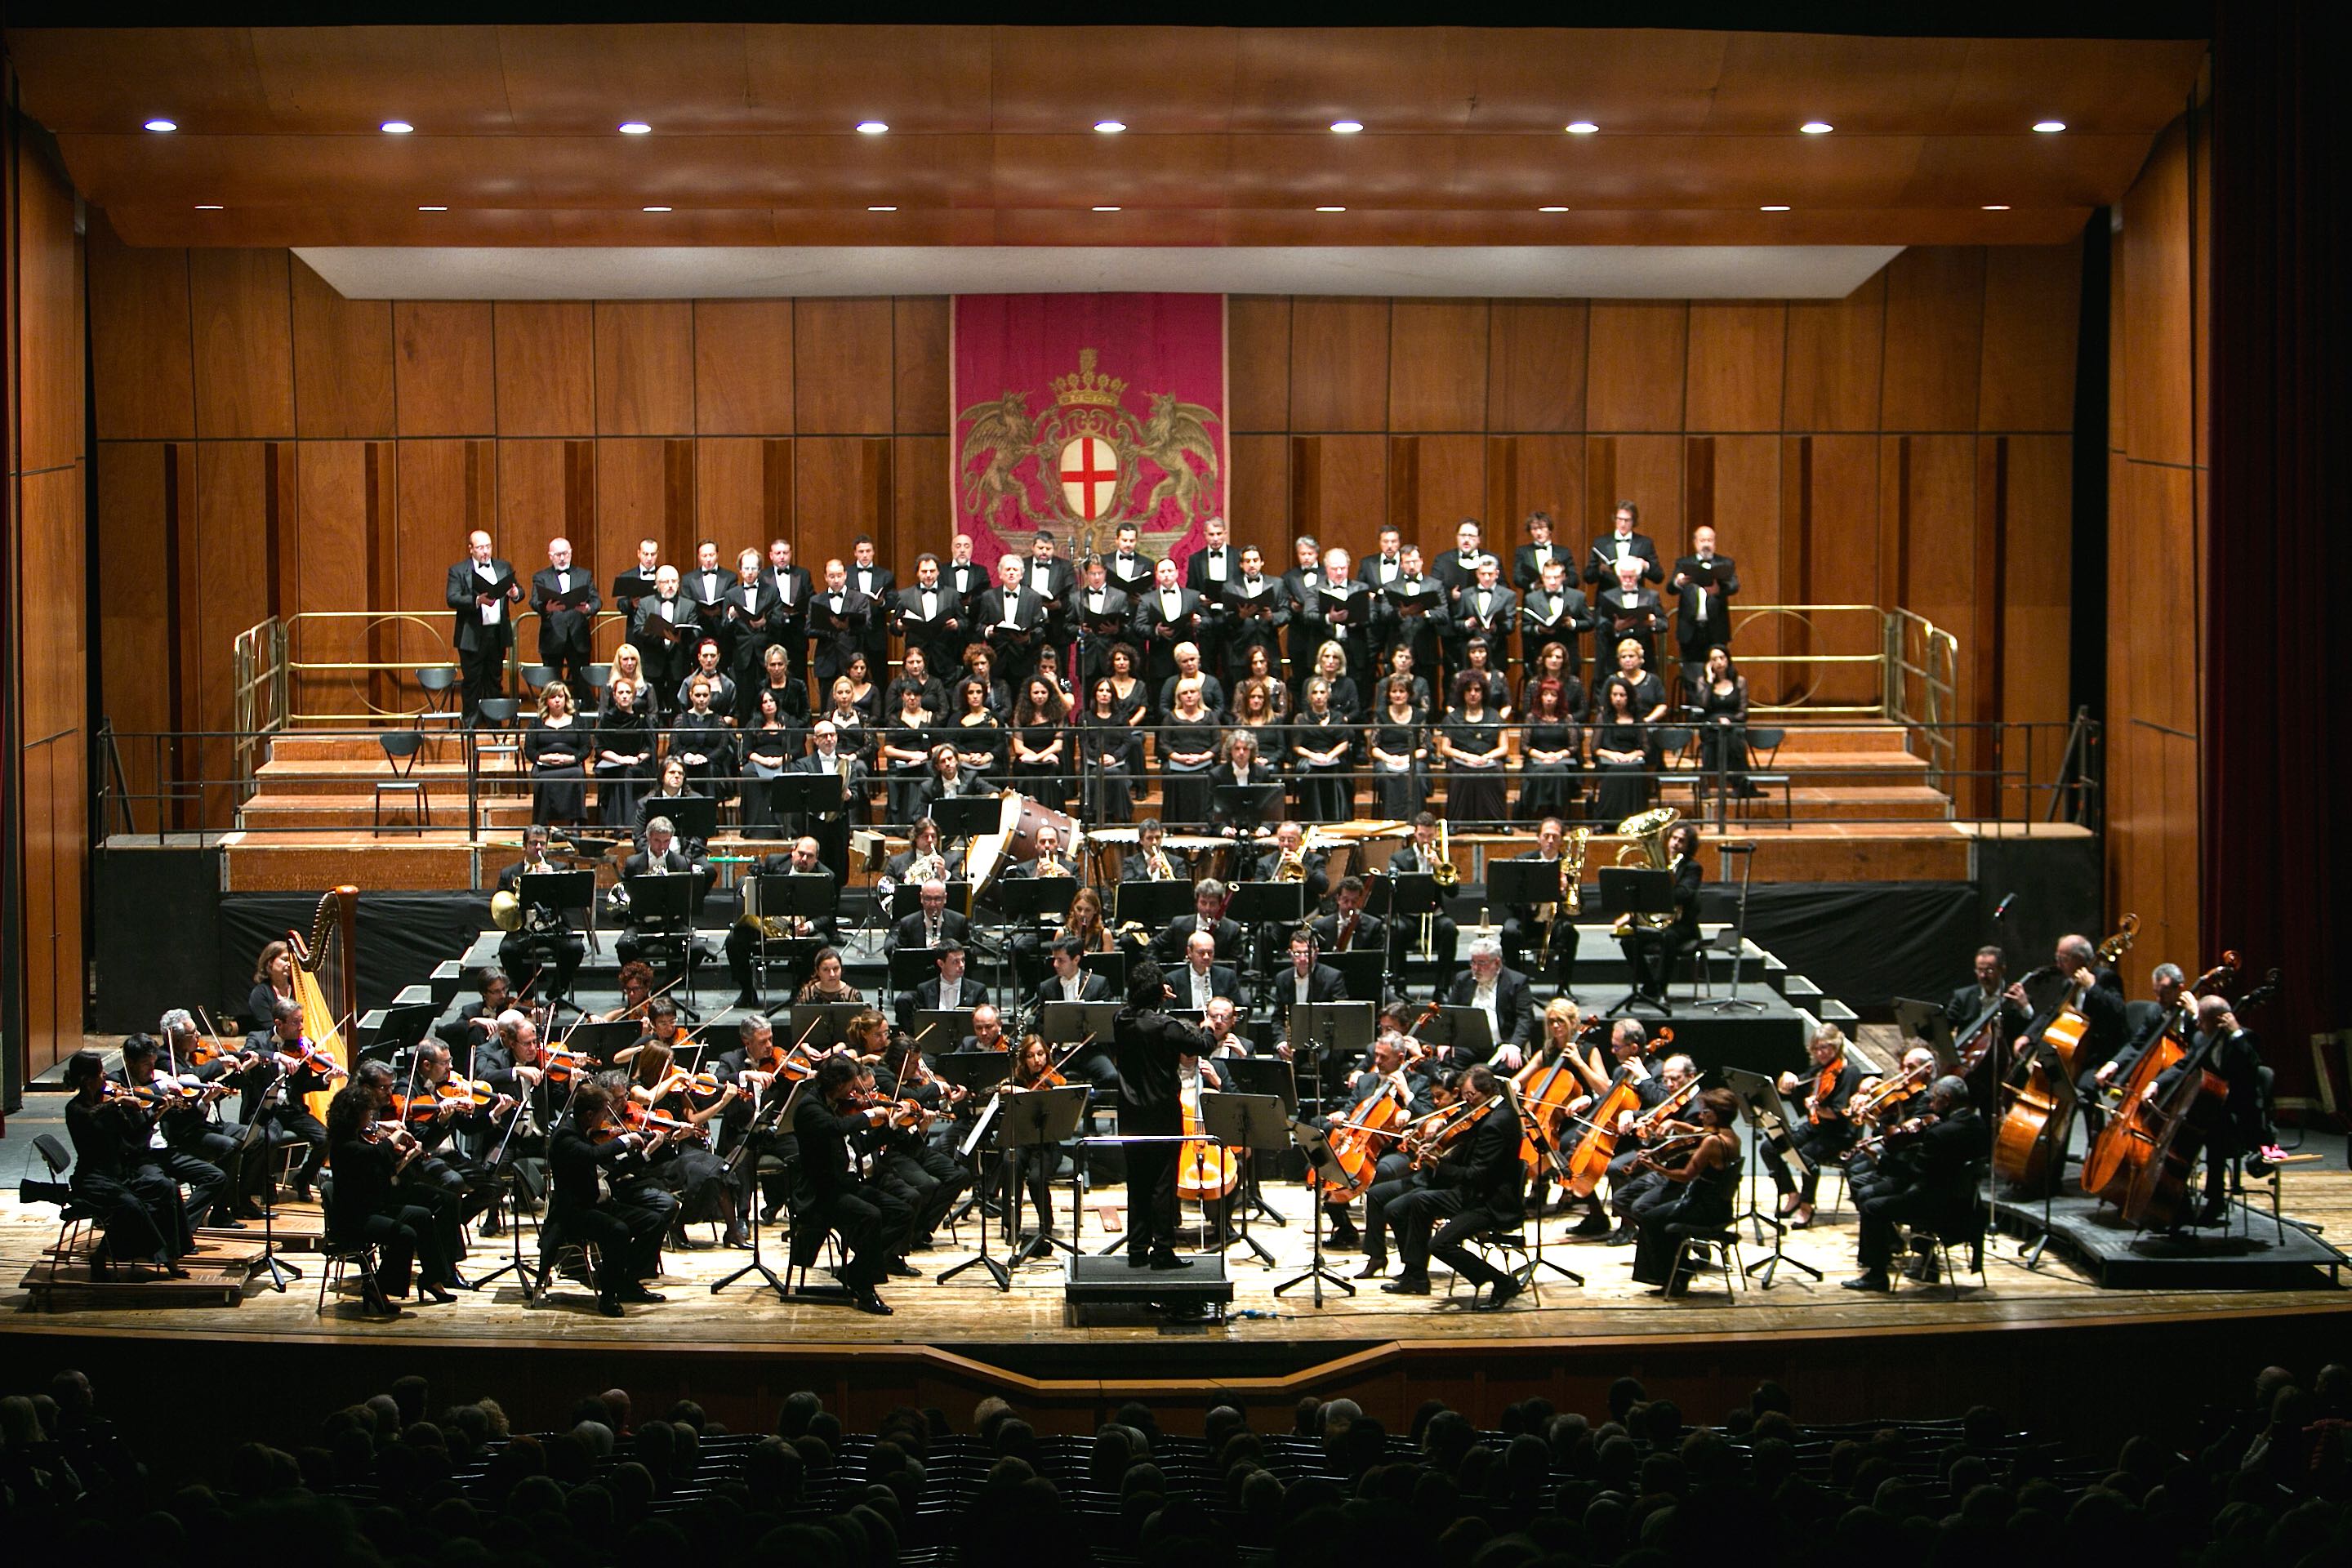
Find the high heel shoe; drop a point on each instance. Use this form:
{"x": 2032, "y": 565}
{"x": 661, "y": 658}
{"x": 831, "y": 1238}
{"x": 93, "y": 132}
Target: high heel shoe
{"x": 439, "y": 1294}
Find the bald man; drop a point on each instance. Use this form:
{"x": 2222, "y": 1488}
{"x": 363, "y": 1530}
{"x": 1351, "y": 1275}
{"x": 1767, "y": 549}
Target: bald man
{"x": 565, "y": 597}
{"x": 483, "y": 593}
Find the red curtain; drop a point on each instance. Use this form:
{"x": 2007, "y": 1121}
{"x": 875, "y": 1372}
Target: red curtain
{"x": 2277, "y": 849}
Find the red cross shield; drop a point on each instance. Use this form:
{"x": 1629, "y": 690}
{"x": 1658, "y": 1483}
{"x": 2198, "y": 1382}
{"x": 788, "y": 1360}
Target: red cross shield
{"x": 1089, "y": 474}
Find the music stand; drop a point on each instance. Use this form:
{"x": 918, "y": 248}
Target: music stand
{"x": 402, "y": 1028}
{"x": 1733, "y": 1002}
{"x": 823, "y": 1024}
{"x": 557, "y": 890}
{"x": 1112, "y": 966}
{"x": 1246, "y": 804}
{"x": 808, "y": 895}
{"x": 1363, "y": 970}
{"x": 978, "y": 1073}
{"x": 1395, "y": 896}
{"x": 694, "y": 816}
{"x": 1924, "y": 1023}
{"x": 1633, "y": 891}
{"x": 966, "y": 816}
{"x": 1328, "y": 1030}
{"x": 1767, "y": 1117}
{"x": 1256, "y": 904}
{"x": 664, "y": 901}
{"x": 952, "y": 1024}
{"x": 1467, "y": 1030}
{"x": 1324, "y": 1166}
{"x": 600, "y": 1042}
{"x": 744, "y": 1151}
{"x": 1042, "y": 1118}
{"x": 910, "y": 966}
{"x": 1247, "y": 1123}
{"x": 1263, "y": 1075}
{"x": 1151, "y": 905}
{"x": 1067, "y": 1023}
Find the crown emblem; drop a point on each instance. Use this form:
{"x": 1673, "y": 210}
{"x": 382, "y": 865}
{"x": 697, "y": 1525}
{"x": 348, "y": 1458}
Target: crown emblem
{"x": 1089, "y": 387}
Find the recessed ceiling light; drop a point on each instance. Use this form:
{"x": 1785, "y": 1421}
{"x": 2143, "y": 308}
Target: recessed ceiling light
{"x": 871, "y": 127}
{"x": 163, "y": 125}
{"x": 1110, "y": 127}
{"x": 1996, "y": 207}
{"x": 635, "y": 128}
{"x": 1816, "y": 128}
{"x": 1106, "y": 209}
{"x": 1551, "y": 209}
{"x": 881, "y": 209}
{"x": 2049, "y": 127}
{"x": 1347, "y": 127}
{"x": 1581, "y": 128}
{"x": 433, "y": 209}
{"x": 208, "y": 206}
{"x": 397, "y": 128}
{"x": 1772, "y": 209}
{"x": 1330, "y": 209}
{"x": 657, "y": 209}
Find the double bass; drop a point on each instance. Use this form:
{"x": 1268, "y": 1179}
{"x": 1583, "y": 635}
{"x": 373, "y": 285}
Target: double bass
{"x": 2041, "y": 1112}
{"x": 2177, "y": 1126}
{"x": 2123, "y": 1146}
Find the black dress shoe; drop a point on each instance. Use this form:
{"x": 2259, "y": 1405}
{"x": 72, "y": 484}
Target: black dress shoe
{"x": 608, "y": 1306}
{"x": 1872, "y": 1279}
{"x": 1164, "y": 1261}
{"x": 1593, "y": 1223}
{"x": 1498, "y": 1295}
{"x": 638, "y": 1293}
{"x": 1624, "y": 1235}
{"x": 1139, "y": 1260}
{"x": 1188, "y": 1312}
{"x": 867, "y": 1302}
{"x": 1374, "y": 1266}
{"x": 738, "y": 1237}
{"x": 898, "y": 1268}
{"x": 767, "y": 1213}
{"x": 226, "y": 1222}
{"x": 491, "y": 1228}
{"x": 1408, "y": 1285}
{"x": 1346, "y": 1238}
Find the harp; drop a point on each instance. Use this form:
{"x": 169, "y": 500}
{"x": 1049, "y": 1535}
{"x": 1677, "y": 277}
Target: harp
{"x": 326, "y": 979}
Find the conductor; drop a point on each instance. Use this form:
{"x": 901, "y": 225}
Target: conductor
{"x": 1146, "y": 1041}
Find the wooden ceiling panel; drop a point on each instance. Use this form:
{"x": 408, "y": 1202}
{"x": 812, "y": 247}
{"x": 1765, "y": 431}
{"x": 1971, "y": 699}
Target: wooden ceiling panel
{"x": 1052, "y": 81}
{"x": 2092, "y": 84}
{"x": 117, "y": 79}
{"x": 684, "y": 76}
{"x": 1773, "y": 82}
{"x": 801, "y": 80}
{"x": 443, "y": 80}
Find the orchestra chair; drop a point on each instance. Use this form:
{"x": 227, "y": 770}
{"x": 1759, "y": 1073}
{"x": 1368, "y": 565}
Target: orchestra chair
{"x": 1970, "y": 1230}
{"x": 338, "y": 1255}
{"x": 1508, "y": 1251}
{"x": 74, "y": 1217}
{"x": 553, "y": 1249}
{"x": 1716, "y": 1250}
{"x": 495, "y": 715}
{"x": 440, "y": 684}
{"x": 1763, "y": 751}
{"x": 600, "y": 676}
{"x": 401, "y": 749}
{"x": 535, "y": 676}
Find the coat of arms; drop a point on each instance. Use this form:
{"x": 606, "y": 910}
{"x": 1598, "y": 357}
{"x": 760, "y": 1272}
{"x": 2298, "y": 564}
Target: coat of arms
{"x": 1090, "y": 462}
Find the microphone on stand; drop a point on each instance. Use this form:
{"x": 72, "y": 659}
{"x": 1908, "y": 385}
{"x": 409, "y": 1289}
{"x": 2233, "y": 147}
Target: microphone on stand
{"x": 2000, "y": 910}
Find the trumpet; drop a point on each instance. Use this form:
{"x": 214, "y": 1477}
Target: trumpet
{"x": 1292, "y": 867}
{"x": 1156, "y": 866}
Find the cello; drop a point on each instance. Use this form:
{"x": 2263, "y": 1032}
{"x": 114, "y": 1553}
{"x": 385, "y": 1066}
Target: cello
{"x": 2122, "y": 1147}
{"x": 2178, "y": 1124}
{"x": 1544, "y": 1090}
{"x": 2041, "y": 1111}
{"x": 1588, "y": 1161}
{"x": 1206, "y": 1172}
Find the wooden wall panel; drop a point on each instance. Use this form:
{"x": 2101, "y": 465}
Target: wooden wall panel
{"x": 1747, "y": 522}
{"x": 2157, "y": 395}
{"x": 2037, "y": 505}
{"x": 1535, "y": 473}
{"x": 730, "y": 492}
{"x": 51, "y": 627}
{"x": 630, "y": 504}
{"x": 1338, "y": 488}
{"x": 1258, "y": 493}
{"x": 2033, "y": 302}
{"x": 1637, "y": 357}
{"x": 446, "y": 489}
{"x": 46, "y": 382}
{"x": 534, "y": 507}
{"x": 342, "y": 362}
{"x": 744, "y": 366}
{"x": 843, "y": 372}
{"x": 1837, "y": 487}
{"x": 142, "y": 348}
{"x": 923, "y": 512}
{"x": 1737, "y": 350}
{"x": 1338, "y": 364}
{"x": 136, "y": 612}
{"x": 1437, "y": 365}
{"x": 1535, "y": 367}
{"x": 1928, "y": 519}
{"x": 339, "y": 513}
{"x": 546, "y": 361}
{"x": 1435, "y": 481}
{"x": 229, "y": 556}
{"x": 445, "y": 361}
{"x": 843, "y": 488}
{"x": 920, "y": 331}
{"x": 243, "y": 342}
{"x": 1834, "y": 350}
{"x": 1935, "y": 316}
{"x": 1258, "y": 363}
{"x": 645, "y": 367}
{"x": 1645, "y": 469}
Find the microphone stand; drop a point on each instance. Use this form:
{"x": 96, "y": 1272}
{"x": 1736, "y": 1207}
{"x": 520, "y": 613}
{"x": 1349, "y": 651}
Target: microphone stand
{"x": 279, "y": 1270}
{"x": 505, "y": 1176}
{"x": 1316, "y": 1272}
{"x": 735, "y": 1161}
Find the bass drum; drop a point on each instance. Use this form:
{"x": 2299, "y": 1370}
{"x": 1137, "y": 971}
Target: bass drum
{"x": 1016, "y": 839}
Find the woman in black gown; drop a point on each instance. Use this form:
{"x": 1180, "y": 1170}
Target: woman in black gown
{"x": 1402, "y": 663}
{"x": 624, "y": 755}
{"x": 1261, "y": 667}
{"x": 1723, "y": 726}
{"x": 907, "y": 753}
{"x": 365, "y": 1202}
{"x": 702, "y": 741}
{"x": 1040, "y": 744}
{"x": 1127, "y": 683}
{"x": 1703, "y": 1184}
{"x": 1552, "y": 757}
{"x": 771, "y": 745}
{"x": 1323, "y": 751}
{"x": 980, "y": 665}
{"x": 862, "y": 691}
{"x": 1109, "y": 757}
{"x": 792, "y": 696}
{"x": 853, "y": 728}
{"x": 976, "y": 733}
{"x": 706, "y": 668}
{"x": 1620, "y": 753}
{"x": 1649, "y": 692}
{"x": 915, "y": 670}
{"x": 1187, "y": 746}
{"x": 1331, "y": 664}
{"x": 555, "y": 748}
{"x": 1552, "y": 663}
{"x": 1478, "y": 658}
{"x": 1400, "y": 752}
{"x": 1471, "y": 741}
{"x": 687, "y": 1168}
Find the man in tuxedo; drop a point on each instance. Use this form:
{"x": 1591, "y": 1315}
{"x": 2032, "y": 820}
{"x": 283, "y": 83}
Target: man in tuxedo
{"x": 1050, "y": 578}
{"x": 1303, "y": 979}
{"x": 869, "y": 577}
{"x": 1011, "y": 620}
{"x": 1069, "y": 980}
{"x": 1385, "y": 564}
{"x": 1419, "y": 855}
{"x": 1348, "y": 928}
{"x": 1104, "y": 618}
{"x": 932, "y": 925}
{"x": 1200, "y": 976}
{"x": 1527, "y": 563}
{"x": 1653, "y": 949}
{"x": 1502, "y": 993}
{"x": 1477, "y": 1189}
{"x": 482, "y": 592}
{"x": 1630, "y": 610}
{"x": 1553, "y": 611}
{"x": 1704, "y": 584}
{"x": 1167, "y": 615}
{"x": 663, "y": 652}
{"x": 1458, "y": 568}
{"x": 1423, "y": 625}
{"x": 566, "y": 599}
{"x": 1225, "y": 936}
{"x": 744, "y": 937}
{"x": 793, "y": 590}
{"x": 707, "y": 586}
{"x": 831, "y": 828}
{"x": 544, "y": 945}
{"x": 1935, "y": 1191}
{"x": 1128, "y": 567}
{"x": 930, "y": 616}
{"x": 950, "y": 990}
{"x": 1486, "y": 608}
{"x": 1214, "y": 564}
{"x": 965, "y": 577}
{"x": 1623, "y": 542}
{"x": 748, "y": 619}
{"x": 1523, "y": 933}
{"x": 1254, "y": 609}
{"x": 1965, "y": 1004}
{"x": 838, "y": 618}
{"x": 648, "y": 563}
{"x": 1304, "y": 583}
{"x": 660, "y": 856}
{"x": 874, "y": 1223}
{"x": 1347, "y": 618}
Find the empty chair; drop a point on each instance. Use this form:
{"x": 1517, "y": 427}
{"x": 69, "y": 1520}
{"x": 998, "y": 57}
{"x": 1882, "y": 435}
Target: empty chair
{"x": 401, "y": 748}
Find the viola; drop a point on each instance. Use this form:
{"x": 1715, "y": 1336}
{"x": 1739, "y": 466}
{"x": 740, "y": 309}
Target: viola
{"x": 1441, "y": 1141}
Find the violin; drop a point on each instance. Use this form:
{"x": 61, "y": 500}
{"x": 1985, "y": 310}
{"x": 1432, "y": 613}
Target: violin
{"x": 1873, "y": 1096}
{"x": 1652, "y": 1122}
{"x": 1440, "y": 1142}
{"x": 1648, "y": 1159}
{"x": 308, "y": 1056}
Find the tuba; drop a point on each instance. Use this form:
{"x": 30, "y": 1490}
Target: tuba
{"x": 1648, "y": 831}
{"x": 1570, "y": 903}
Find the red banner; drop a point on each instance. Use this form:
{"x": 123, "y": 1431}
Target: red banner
{"x": 1080, "y": 412}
